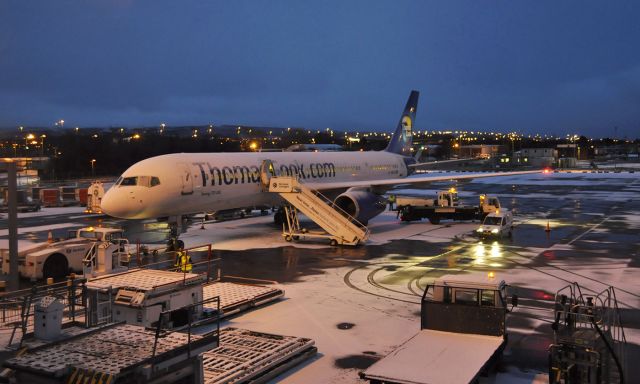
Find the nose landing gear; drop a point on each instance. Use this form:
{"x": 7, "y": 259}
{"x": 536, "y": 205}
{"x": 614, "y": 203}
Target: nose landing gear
{"x": 175, "y": 228}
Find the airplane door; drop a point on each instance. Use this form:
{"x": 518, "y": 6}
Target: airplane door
{"x": 187, "y": 179}
{"x": 266, "y": 171}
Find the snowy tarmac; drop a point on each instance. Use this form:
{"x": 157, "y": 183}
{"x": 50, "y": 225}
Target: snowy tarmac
{"x": 358, "y": 304}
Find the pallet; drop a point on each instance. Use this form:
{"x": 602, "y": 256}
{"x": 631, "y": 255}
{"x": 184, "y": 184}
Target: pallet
{"x": 235, "y": 298}
{"x": 246, "y": 356}
{"x": 113, "y": 351}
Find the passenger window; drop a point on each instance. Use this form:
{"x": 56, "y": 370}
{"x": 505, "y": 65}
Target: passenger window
{"x": 129, "y": 181}
{"x": 155, "y": 181}
{"x": 466, "y": 297}
{"x": 488, "y": 298}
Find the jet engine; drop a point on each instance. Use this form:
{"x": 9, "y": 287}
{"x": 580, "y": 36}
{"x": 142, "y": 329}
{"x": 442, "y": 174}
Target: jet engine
{"x": 361, "y": 204}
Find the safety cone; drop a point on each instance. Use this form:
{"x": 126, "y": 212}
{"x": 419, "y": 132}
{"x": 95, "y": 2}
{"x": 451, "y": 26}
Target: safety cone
{"x": 50, "y": 237}
{"x": 548, "y": 229}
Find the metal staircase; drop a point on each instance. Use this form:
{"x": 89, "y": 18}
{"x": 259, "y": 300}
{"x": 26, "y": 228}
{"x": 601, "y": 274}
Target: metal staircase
{"x": 339, "y": 226}
{"x": 589, "y": 340}
{"x": 106, "y": 257}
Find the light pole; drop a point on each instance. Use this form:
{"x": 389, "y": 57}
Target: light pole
{"x": 93, "y": 167}
{"x": 42, "y": 145}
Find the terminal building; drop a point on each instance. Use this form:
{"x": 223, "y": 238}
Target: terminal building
{"x": 482, "y": 151}
{"x": 536, "y": 157}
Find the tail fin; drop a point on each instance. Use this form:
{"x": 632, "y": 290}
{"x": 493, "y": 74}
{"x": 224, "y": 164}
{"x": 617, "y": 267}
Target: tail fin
{"x": 401, "y": 140}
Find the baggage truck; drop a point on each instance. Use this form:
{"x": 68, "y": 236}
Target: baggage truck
{"x": 462, "y": 334}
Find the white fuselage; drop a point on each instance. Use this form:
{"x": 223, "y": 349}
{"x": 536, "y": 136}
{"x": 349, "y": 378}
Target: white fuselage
{"x": 187, "y": 183}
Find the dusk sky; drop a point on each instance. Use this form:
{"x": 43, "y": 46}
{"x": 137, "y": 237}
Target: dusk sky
{"x": 533, "y": 66}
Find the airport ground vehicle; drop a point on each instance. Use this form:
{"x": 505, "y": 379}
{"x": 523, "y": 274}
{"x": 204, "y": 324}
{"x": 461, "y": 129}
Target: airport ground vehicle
{"x": 497, "y": 224}
{"x": 444, "y": 207}
{"x": 94, "y": 195}
{"x": 462, "y": 333}
{"x": 56, "y": 259}
{"x": 24, "y": 201}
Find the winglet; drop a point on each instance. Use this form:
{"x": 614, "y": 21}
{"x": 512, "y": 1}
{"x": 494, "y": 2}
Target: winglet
{"x": 401, "y": 140}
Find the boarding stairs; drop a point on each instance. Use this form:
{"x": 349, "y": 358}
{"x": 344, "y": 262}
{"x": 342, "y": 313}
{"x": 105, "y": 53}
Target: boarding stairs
{"x": 339, "y": 226}
{"x": 589, "y": 340}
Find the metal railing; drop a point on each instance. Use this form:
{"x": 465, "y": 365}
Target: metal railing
{"x": 17, "y": 308}
{"x": 189, "y": 309}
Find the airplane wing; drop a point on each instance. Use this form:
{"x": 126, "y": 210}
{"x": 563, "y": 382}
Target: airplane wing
{"x": 440, "y": 162}
{"x": 386, "y": 184}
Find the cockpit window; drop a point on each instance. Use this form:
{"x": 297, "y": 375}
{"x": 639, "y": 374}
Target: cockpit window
{"x": 155, "y": 181}
{"x": 129, "y": 181}
{"x": 143, "y": 181}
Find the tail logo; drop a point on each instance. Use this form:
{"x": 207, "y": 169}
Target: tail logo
{"x": 406, "y": 124}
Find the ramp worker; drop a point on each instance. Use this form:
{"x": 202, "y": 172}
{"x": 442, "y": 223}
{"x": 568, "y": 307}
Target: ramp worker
{"x": 392, "y": 202}
{"x": 183, "y": 261}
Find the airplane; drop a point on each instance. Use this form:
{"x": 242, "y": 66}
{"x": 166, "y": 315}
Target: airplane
{"x": 175, "y": 185}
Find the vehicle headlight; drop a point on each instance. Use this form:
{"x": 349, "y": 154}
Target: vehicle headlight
{"x": 495, "y": 230}
{"x": 480, "y": 229}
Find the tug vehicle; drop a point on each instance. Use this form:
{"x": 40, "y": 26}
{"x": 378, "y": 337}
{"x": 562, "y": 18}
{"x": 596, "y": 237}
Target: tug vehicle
{"x": 445, "y": 206}
{"x": 81, "y": 250}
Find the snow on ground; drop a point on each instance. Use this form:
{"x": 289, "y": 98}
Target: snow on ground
{"x": 22, "y": 230}
{"x": 316, "y": 306}
{"x": 52, "y": 211}
{"x": 576, "y": 178}
{"x": 364, "y": 310}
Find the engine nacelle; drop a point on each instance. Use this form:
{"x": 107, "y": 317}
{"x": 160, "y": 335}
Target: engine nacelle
{"x": 361, "y": 204}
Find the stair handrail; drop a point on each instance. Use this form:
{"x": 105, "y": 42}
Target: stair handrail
{"x": 90, "y": 256}
{"x": 335, "y": 207}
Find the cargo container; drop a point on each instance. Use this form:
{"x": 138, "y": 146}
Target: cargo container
{"x": 50, "y": 197}
{"x": 68, "y": 196}
{"x": 81, "y": 196}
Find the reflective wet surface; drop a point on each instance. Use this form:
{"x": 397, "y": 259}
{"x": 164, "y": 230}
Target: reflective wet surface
{"x": 593, "y": 238}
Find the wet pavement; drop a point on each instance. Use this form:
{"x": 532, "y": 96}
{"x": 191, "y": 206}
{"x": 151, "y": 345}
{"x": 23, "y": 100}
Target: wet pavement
{"x": 594, "y": 239}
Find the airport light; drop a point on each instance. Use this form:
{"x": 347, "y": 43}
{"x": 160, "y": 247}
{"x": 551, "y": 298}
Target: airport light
{"x": 42, "y": 137}
{"x": 93, "y": 167}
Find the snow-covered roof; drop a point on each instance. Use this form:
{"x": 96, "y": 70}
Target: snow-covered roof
{"x": 432, "y": 357}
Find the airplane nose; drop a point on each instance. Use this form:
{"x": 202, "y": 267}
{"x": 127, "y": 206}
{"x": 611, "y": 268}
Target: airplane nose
{"x": 116, "y": 205}
{"x": 108, "y": 205}
{"x": 125, "y": 204}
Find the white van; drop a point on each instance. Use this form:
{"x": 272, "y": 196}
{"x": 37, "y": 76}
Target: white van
{"x": 497, "y": 224}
